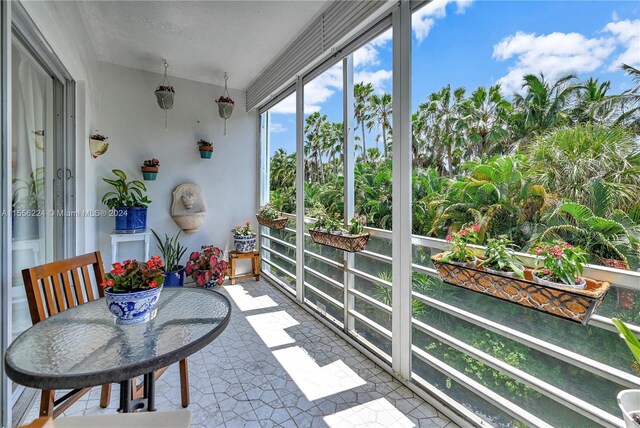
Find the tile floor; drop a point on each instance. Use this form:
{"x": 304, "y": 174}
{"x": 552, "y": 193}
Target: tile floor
{"x": 275, "y": 365}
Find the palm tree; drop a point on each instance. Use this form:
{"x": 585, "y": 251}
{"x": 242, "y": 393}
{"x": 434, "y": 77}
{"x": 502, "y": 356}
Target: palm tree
{"x": 485, "y": 115}
{"x": 283, "y": 169}
{"x": 314, "y": 132}
{"x": 444, "y": 122}
{"x": 542, "y": 106}
{"x": 381, "y": 109}
{"x": 630, "y": 102}
{"x": 362, "y": 111}
{"x": 592, "y": 104}
{"x": 568, "y": 161}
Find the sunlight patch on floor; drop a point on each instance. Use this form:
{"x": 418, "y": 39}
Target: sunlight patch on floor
{"x": 245, "y": 301}
{"x": 270, "y": 327}
{"x": 376, "y": 413}
{"x": 314, "y": 381}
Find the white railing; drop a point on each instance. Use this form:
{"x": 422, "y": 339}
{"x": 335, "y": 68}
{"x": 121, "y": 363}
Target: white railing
{"x": 622, "y": 279}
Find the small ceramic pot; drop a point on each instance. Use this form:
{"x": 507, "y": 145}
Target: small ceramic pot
{"x": 132, "y": 308}
{"x": 98, "y": 147}
{"x": 174, "y": 278}
{"x": 244, "y": 244}
{"x": 206, "y": 152}
{"x": 579, "y": 286}
{"x": 149, "y": 173}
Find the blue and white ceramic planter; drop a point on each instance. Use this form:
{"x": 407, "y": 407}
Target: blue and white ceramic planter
{"x": 132, "y": 308}
{"x": 244, "y": 244}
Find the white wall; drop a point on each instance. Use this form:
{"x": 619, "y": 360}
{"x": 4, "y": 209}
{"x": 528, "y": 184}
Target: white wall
{"x": 127, "y": 112}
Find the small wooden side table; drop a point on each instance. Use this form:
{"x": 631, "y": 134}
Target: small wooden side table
{"x": 255, "y": 265}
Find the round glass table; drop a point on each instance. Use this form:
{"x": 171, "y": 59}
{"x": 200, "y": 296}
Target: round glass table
{"x": 83, "y": 346}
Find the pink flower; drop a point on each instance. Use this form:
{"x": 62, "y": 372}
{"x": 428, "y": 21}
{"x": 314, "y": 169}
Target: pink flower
{"x": 475, "y": 227}
{"x": 248, "y": 223}
{"x": 449, "y": 238}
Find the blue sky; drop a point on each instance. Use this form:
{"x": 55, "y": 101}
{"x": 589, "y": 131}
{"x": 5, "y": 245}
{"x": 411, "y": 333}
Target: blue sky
{"x": 475, "y": 43}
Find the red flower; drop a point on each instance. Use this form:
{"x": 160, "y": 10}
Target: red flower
{"x": 107, "y": 283}
{"x": 117, "y": 269}
{"x": 153, "y": 284}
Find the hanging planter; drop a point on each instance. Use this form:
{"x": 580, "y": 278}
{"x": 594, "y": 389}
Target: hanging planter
{"x": 150, "y": 169}
{"x": 205, "y": 148}
{"x": 327, "y": 231}
{"x": 267, "y": 216}
{"x": 98, "y": 145}
{"x": 564, "y": 302}
{"x": 225, "y": 104}
{"x": 165, "y": 94}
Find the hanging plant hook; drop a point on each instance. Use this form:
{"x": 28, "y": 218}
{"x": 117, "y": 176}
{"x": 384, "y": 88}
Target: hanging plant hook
{"x": 165, "y": 93}
{"x": 225, "y": 104}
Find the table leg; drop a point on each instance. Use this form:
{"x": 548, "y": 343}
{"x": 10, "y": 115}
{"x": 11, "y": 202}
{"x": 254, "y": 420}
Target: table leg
{"x": 150, "y": 391}
{"x": 125, "y": 396}
{"x": 233, "y": 271}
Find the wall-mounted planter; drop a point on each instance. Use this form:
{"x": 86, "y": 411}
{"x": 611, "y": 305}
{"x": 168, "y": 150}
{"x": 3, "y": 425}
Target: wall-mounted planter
{"x": 206, "y": 152}
{"x": 277, "y": 223}
{"x": 568, "y": 303}
{"x": 149, "y": 173}
{"x": 98, "y": 147}
{"x": 344, "y": 241}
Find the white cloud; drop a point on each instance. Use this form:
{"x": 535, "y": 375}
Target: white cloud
{"x": 377, "y": 79}
{"x": 423, "y": 20}
{"x": 286, "y": 106}
{"x": 276, "y": 127}
{"x": 553, "y": 54}
{"x": 627, "y": 34}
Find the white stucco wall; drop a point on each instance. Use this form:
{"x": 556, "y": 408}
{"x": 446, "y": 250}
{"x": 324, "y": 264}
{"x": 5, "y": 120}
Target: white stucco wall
{"x": 127, "y": 112}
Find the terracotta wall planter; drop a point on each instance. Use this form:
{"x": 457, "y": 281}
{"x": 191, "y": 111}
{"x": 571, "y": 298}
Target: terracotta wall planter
{"x": 345, "y": 242}
{"x": 278, "y": 223}
{"x": 571, "y": 304}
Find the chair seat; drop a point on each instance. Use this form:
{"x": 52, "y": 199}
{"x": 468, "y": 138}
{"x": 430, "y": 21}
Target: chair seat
{"x": 164, "y": 419}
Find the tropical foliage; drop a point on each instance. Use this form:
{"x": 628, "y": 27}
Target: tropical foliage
{"x": 558, "y": 160}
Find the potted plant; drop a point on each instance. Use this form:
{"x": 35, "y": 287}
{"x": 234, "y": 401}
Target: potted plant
{"x": 128, "y": 202}
{"x": 629, "y": 399}
{"x": 499, "y": 259}
{"x": 98, "y": 144}
{"x": 225, "y": 106}
{"x": 164, "y": 96}
{"x": 268, "y": 216}
{"x": 150, "y": 169}
{"x": 244, "y": 238}
{"x": 206, "y": 267}
{"x": 459, "y": 252}
{"x": 206, "y": 149}
{"x": 172, "y": 252}
{"x": 562, "y": 265}
{"x": 328, "y": 231}
{"x": 132, "y": 289}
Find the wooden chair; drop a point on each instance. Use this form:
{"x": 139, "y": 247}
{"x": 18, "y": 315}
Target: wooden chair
{"x": 57, "y": 286}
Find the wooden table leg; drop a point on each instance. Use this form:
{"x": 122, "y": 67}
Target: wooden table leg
{"x": 255, "y": 263}
{"x": 184, "y": 382}
{"x": 46, "y": 403}
{"x": 233, "y": 270}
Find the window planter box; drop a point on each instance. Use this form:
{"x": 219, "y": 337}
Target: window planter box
{"x": 278, "y": 223}
{"x": 571, "y": 304}
{"x": 345, "y": 241}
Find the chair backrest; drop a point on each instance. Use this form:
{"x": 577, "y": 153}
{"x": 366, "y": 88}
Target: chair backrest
{"x": 56, "y": 286}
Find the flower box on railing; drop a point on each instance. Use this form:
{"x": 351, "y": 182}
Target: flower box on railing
{"x": 571, "y": 304}
{"x": 343, "y": 241}
{"x": 277, "y": 223}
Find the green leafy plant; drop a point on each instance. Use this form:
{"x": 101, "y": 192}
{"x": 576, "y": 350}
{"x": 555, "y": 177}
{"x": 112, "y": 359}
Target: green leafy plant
{"x": 131, "y": 276}
{"x": 500, "y": 257}
{"x": 245, "y": 230}
{"x": 356, "y": 224}
{"x": 459, "y": 251}
{"x": 561, "y": 262}
{"x": 631, "y": 340}
{"x": 126, "y": 194}
{"x": 328, "y": 223}
{"x": 171, "y": 250}
{"x": 29, "y": 194}
{"x": 268, "y": 212}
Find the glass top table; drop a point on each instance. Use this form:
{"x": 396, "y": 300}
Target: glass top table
{"x": 83, "y": 346}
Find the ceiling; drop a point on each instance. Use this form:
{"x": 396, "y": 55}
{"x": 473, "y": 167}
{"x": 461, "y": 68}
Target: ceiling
{"x": 199, "y": 39}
